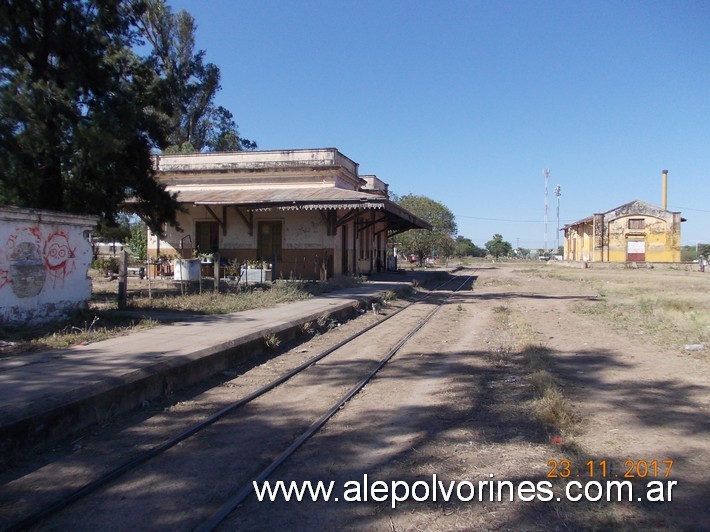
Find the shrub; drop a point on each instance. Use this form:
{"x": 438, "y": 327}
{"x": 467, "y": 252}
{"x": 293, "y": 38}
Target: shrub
{"x": 104, "y": 264}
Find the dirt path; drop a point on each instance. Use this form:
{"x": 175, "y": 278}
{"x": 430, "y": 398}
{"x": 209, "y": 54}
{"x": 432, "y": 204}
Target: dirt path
{"x": 637, "y": 400}
{"x": 446, "y": 407}
{"x": 457, "y": 402}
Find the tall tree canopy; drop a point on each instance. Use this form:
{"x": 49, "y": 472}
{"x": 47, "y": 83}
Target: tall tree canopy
{"x": 464, "y": 247}
{"x": 496, "y": 246}
{"x": 420, "y": 241}
{"x": 195, "y": 123}
{"x": 79, "y": 112}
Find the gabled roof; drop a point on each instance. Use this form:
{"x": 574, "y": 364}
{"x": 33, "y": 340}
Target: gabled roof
{"x": 639, "y": 204}
{"x": 632, "y": 207}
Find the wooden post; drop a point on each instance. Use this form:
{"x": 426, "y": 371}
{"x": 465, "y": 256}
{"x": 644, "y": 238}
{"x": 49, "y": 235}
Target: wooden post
{"x": 123, "y": 281}
{"x": 216, "y": 272}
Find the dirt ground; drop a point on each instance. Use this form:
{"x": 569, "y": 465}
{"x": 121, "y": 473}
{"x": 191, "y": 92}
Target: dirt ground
{"x": 446, "y": 407}
{"x": 456, "y": 402}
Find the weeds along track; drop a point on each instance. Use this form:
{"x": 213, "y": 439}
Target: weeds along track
{"x": 214, "y": 464}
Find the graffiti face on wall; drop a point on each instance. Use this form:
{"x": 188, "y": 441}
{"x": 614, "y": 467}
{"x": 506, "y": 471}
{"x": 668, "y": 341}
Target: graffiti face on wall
{"x": 26, "y": 273}
{"x": 30, "y": 259}
{"x": 59, "y": 257}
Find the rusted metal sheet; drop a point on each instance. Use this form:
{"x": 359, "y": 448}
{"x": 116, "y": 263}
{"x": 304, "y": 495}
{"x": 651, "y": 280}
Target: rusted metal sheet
{"x": 318, "y": 197}
{"x": 300, "y": 198}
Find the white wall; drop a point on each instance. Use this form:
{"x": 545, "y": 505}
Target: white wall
{"x": 44, "y": 261}
{"x": 302, "y": 230}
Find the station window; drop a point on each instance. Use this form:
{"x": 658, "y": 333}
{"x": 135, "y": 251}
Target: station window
{"x": 637, "y": 223}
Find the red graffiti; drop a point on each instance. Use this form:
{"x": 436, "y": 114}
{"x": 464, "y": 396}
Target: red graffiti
{"x": 4, "y": 279}
{"x": 59, "y": 257}
{"x": 30, "y": 259}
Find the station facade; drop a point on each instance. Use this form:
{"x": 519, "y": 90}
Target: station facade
{"x": 307, "y": 214}
{"x": 634, "y": 232}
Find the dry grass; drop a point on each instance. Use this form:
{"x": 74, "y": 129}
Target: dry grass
{"x": 322, "y": 320}
{"x": 518, "y": 350}
{"x": 550, "y": 406}
{"x": 272, "y": 342}
{"x": 101, "y": 321}
{"x": 492, "y": 281}
{"x": 237, "y": 300}
{"x": 306, "y": 328}
{"x": 78, "y": 329}
{"x": 554, "y": 410}
{"x": 670, "y": 306}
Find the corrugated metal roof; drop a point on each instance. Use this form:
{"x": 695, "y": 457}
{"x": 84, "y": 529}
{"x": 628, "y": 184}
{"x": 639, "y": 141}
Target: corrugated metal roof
{"x": 582, "y": 221}
{"x": 299, "y": 198}
{"x": 273, "y": 196}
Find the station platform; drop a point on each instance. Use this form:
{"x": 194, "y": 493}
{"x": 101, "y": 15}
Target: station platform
{"x": 48, "y": 396}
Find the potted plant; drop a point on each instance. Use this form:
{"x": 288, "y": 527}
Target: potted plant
{"x": 206, "y": 258}
{"x": 257, "y": 271}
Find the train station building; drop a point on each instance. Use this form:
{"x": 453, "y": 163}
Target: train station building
{"x": 634, "y": 232}
{"x": 304, "y": 214}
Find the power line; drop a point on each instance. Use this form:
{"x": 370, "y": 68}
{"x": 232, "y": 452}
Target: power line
{"x": 687, "y": 208}
{"x": 505, "y": 220}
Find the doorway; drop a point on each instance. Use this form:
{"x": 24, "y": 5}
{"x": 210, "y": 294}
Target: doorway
{"x": 636, "y": 251}
{"x": 268, "y": 245}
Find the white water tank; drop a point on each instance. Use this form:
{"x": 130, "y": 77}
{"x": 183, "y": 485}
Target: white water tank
{"x": 186, "y": 269}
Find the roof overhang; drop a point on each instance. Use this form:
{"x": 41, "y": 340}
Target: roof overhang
{"x": 301, "y": 198}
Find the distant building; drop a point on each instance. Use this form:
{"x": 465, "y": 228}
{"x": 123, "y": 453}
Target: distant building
{"x": 633, "y": 232}
{"x": 307, "y": 213}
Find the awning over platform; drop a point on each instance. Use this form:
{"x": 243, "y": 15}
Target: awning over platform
{"x": 301, "y": 198}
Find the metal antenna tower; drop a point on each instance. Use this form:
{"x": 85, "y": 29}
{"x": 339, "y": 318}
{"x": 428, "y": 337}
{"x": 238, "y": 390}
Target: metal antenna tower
{"x": 546, "y": 173}
{"x": 558, "y": 193}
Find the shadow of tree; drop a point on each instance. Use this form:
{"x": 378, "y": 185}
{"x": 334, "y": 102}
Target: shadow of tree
{"x": 477, "y": 423}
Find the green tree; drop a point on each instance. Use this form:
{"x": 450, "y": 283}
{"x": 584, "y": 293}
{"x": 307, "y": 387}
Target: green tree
{"x": 464, "y": 247}
{"x": 195, "y": 123}
{"x": 137, "y": 241}
{"x": 497, "y": 246}
{"x": 422, "y": 242}
{"x": 78, "y": 110}
{"x": 522, "y": 253}
{"x": 118, "y": 232}
{"x": 687, "y": 253}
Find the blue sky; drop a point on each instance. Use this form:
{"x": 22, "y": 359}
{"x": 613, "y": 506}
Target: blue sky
{"x": 467, "y": 102}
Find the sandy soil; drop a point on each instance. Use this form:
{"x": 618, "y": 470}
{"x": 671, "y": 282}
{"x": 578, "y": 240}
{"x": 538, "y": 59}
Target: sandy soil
{"x": 445, "y": 407}
{"x": 454, "y": 402}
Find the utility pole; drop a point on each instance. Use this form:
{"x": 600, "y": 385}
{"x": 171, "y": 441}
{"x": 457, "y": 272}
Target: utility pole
{"x": 558, "y": 193}
{"x": 546, "y": 173}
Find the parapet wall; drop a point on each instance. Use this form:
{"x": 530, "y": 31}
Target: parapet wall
{"x": 44, "y": 261}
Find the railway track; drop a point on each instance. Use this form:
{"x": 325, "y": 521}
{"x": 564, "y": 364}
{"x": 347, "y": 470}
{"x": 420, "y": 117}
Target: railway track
{"x": 350, "y": 360}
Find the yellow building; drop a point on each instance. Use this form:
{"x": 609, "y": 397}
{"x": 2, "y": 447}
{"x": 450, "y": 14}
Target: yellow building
{"x": 633, "y": 232}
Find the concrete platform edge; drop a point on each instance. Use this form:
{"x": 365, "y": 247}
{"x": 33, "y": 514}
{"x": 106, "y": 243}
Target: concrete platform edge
{"x": 57, "y": 417}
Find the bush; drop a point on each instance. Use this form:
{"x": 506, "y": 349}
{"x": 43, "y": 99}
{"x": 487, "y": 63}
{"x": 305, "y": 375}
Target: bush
{"x": 104, "y": 264}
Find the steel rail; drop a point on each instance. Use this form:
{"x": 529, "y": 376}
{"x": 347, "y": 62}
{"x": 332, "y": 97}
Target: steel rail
{"x": 229, "y": 506}
{"x": 143, "y": 457}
